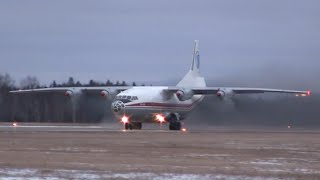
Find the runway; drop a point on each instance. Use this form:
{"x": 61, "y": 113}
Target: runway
{"x": 148, "y": 128}
{"x": 105, "y": 151}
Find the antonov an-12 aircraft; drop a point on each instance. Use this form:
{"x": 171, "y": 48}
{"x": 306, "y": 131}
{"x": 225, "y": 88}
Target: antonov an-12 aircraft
{"x": 145, "y": 104}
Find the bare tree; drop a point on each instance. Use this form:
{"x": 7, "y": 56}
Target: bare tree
{"x": 6, "y": 81}
{"x": 29, "y": 82}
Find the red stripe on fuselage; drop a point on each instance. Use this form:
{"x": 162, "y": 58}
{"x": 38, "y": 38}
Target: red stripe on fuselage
{"x": 163, "y": 105}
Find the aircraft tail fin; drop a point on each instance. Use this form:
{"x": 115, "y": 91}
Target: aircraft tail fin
{"x": 195, "y": 66}
{"x": 193, "y": 77}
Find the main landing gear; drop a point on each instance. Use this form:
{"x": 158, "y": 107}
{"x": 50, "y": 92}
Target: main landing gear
{"x": 133, "y": 125}
{"x": 176, "y": 125}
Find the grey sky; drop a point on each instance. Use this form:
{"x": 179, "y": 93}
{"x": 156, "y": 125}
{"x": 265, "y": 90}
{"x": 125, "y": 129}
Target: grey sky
{"x": 152, "y": 41}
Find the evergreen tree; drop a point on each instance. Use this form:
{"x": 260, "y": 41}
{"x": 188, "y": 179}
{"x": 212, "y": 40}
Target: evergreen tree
{"x": 123, "y": 83}
{"x": 78, "y": 84}
{"x": 109, "y": 83}
{"x": 70, "y": 82}
{"x": 53, "y": 84}
{"x": 92, "y": 83}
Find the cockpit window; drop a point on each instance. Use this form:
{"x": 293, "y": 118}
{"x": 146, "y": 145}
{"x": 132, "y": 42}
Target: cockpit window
{"x": 133, "y": 98}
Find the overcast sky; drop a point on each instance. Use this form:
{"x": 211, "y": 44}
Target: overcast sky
{"x": 152, "y": 41}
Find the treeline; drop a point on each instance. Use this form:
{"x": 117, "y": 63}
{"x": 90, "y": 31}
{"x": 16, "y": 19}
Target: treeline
{"x": 277, "y": 110}
{"x": 71, "y": 83}
{"x": 52, "y": 107}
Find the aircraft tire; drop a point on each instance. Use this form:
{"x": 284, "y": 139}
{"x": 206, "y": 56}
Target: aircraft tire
{"x": 139, "y": 125}
{"x": 175, "y": 126}
{"x": 127, "y": 126}
{"x": 135, "y": 125}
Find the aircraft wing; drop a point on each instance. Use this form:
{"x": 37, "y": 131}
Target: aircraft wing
{"x": 69, "y": 91}
{"x": 40, "y": 90}
{"x": 234, "y": 90}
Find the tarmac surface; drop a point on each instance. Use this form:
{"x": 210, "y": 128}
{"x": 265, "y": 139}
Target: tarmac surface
{"x": 105, "y": 151}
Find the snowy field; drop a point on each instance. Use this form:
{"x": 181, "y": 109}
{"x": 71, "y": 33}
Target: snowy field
{"x": 95, "y": 153}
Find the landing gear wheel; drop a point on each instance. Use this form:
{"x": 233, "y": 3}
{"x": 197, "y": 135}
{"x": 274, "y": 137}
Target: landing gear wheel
{"x": 127, "y": 126}
{"x": 136, "y": 125}
{"x": 133, "y": 125}
{"x": 139, "y": 124}
{"x": 175, "y": 126}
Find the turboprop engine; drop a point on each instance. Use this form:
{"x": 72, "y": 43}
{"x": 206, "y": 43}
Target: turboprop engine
{"x": 222, "y": 93}
{"x": 104, "y": 93}
{"x": 184, "y": 94}
{"x": 108, "y": 93}
{"x": 68, "y": 93}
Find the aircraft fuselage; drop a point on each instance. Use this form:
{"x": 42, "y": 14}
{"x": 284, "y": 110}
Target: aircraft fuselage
{"x": 142, "y": 104}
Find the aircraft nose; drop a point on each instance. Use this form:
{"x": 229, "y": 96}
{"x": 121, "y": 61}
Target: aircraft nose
{"x": 117, "y": 106}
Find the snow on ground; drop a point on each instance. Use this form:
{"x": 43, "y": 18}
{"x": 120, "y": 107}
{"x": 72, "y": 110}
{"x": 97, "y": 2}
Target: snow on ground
{"x": 273, "y": 162}
{"x": 281, "y": 165}
{"x": 35, "y": 174}
{"x": 206, "y": 155}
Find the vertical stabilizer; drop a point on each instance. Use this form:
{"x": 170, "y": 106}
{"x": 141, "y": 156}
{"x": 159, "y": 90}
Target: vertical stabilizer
{"x": 193, "y": 78}
{"x": 195, "y": 66}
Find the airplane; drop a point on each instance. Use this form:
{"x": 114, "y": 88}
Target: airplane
{"x": 134, "y": 105}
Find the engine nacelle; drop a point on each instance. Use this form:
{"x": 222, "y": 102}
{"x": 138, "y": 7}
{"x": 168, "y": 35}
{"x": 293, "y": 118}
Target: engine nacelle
{"x": 108, "y": 93}
{"x": 222, "y": 93}
{"x": 68, "y": 93}
{"x": 104, "y": 93}
{"x": 183, "y": 95}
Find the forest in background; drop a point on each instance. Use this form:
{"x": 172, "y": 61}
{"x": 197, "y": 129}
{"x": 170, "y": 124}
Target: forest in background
{"x": 52, "y": 107}
{"x": 265, "y": 109}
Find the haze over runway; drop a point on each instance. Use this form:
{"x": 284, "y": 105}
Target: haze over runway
{"x": 241, "y": 42}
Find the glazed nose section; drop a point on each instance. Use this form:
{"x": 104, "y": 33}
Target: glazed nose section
{"x": 117, "y": 106}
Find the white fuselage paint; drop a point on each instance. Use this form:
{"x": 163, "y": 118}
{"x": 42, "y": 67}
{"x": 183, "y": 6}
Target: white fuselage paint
{"x": 152, "y": 101}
